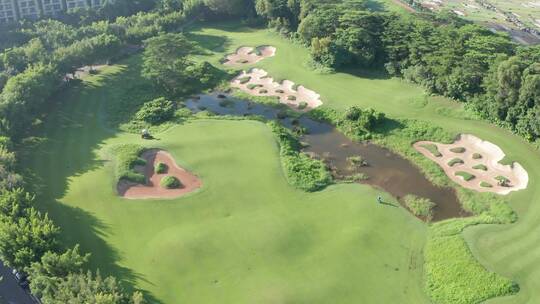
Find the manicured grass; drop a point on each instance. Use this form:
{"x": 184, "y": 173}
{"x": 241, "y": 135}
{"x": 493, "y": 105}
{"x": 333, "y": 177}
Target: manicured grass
{"x": 433, "y": 149}
{"x": 481, "y": 167}
{"x": 458, "y": 150}
{"x": 455, "y": 161}
{"x": 420, "y": 206}
{"x": 466, "y": 175}
{"x": 272, "y": 242}
{"x": 229, "y": 241}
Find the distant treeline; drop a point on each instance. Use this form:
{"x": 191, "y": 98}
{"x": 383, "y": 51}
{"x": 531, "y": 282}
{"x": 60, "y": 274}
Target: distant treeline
{"x": 500, "y": 80}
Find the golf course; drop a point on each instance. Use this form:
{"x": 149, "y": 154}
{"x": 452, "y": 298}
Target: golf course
{"x": 268, "y": 151}
{"x": 248, "y": 236}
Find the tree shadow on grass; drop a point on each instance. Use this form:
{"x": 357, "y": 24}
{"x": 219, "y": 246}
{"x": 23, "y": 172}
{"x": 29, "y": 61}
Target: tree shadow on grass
{"x": 210, "y": 43}
{"x": 74, "y": 129}
{"x": 370, "y": 73}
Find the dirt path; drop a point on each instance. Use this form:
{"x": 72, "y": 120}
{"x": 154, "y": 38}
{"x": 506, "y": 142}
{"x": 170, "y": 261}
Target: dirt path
{"x": 480, "y": 159}
{"x": 152, "y": 188}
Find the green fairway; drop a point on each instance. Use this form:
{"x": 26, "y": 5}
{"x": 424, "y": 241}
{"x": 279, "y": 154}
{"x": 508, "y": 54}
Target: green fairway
{"x": 247, "y": 236}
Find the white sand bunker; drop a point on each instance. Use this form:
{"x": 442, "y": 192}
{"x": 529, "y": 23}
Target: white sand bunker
{"x": 256, "y": 82}
{"x": 474, "y": 164}
{"x": 249, "y": 55}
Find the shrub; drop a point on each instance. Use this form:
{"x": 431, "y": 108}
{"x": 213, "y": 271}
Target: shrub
{"x": 301, "y": 171}
{"x": 156, "y": 111}
{"x": 358, "y": 177}
{"x": 302, "y": 105}
{"x": 161, "y": 168}
{"x": 465, "y": 175}
{"x": 357, "y": 161}
{"x": 433, "y": 149}
{"x": 242, "y": 61}
{"x": 455, "y": 161}
{"x": 170, "y": 182}
{"x": 481, "y": 167}
{"x": 503, "y": 180}
{"x": 458, "y": 150}
{"x": 419, "y": 206}
{"x": 477, "y": 156}
{"x": 126, "y": 158}
{"x": 279, "y": 91}
{"x": 486, "y": 185}
{"x": 291, "y": 97}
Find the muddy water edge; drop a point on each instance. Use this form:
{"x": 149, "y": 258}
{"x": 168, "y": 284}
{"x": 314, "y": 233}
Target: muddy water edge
{"x": 385, "y": 170}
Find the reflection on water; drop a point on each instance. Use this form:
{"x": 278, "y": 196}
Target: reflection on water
{"x": 385, "y": 169}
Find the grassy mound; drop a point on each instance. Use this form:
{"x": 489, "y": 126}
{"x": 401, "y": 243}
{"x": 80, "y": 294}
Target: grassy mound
{"x": 433, "y": 149}
{"x": 170, "y": 182}
{"x": 458, "y": 150}
{"x": 465, "y": 175}
{"x": 419, "y": 206}
{"x": 477, "y": 156}
{"x": 486, "y": 185}
{"x": 481, "y": 167}
{"x": 126, "y": 157}
{"x": 455, "y": 161}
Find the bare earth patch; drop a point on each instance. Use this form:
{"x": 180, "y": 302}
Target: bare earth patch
{"x": 257, "y": 83}
{"x": 152, "y": 188}
{"x": 517, "y": 177}
{"x": 249, "y": 55}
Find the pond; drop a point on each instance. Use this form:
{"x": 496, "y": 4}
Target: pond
{"x": 385, "y": 170}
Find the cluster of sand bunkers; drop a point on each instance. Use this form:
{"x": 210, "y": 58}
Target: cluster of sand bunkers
{"x": 152, "y": 188}
{"x": 249, "y": 55}
{"x": 257, "y": 82}
{"x": 475, "y": 164}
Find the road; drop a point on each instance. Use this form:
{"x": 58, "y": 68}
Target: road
{"x": 10, "y": 291}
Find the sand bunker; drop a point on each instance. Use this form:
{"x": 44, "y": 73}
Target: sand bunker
{"x": 474, "y": 164}
{"x": 256, "y": 82}
{"x": 249, "y": 55}
{"x": 152, "y": 188}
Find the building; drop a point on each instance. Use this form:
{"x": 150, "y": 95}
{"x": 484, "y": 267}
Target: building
{"x": 7, "y": 11}
{"x": 12, "y": 10}
{"x": 74, "y": 4}
{"x": 52, "y": 7}
{"x": 28, "y": 9}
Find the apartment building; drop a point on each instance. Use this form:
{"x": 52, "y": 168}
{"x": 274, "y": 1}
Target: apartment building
{"x": 12, "y": 10}
{"x": 7, "y": 11}
{"x": 28, "y": 9}
{"x": 52, "y": 7}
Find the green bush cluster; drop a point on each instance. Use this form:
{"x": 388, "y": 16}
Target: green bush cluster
{"x": 301, "y": 171}
{"x": 481, "y": 167}
{"x": 126, "y": 157}
{"x": 419, "y": 206}
{"x": 170, "y": 182}
{"x": 156, "y": 111}
{"x": 160, "y": 168}
{"x": 355, "y": 122}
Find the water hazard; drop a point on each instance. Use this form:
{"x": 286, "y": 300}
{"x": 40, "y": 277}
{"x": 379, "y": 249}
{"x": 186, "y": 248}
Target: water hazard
{"x": 385, "y": 169}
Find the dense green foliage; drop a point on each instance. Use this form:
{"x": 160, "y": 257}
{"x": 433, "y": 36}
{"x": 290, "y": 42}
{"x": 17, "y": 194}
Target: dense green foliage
{"x": 126, "y": 157}
{"x": 301, "y": 171}
{"x": 170, "y": 182}
{"x": 357, "y": 123}
{"x": 156, "y": 111}
{"x": 419, "y": 206}
{"x": 452, "y": 274}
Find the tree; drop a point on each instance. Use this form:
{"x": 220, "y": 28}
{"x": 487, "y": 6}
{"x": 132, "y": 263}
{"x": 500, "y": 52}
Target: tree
{"x": 24, "y": 240}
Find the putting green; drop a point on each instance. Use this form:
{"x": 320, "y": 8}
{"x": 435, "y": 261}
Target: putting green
{"x": 247, "y": 236}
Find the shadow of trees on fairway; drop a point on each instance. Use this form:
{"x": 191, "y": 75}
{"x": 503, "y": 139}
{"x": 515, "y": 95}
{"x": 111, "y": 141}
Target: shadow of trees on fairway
{"x": 74, "y": 127}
